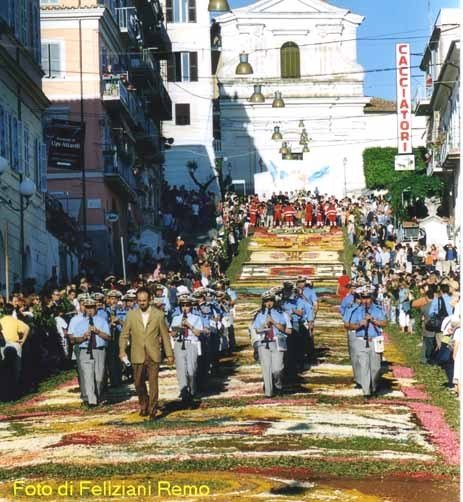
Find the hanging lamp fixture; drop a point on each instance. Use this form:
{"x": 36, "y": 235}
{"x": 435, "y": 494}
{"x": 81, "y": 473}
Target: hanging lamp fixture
{"x": 278, "y": 100}
{"x": 306, "y": 149}
{"x": 276, "y": 136}
{"x": 257, "y": 96}
{"x": 218, "y": 6}
{"x": 301, "y": 123}
{"x": 284, "y": 148}
{"x": 244, "y": 68}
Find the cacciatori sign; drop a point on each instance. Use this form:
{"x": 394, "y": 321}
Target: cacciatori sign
{"x": 404, "y": 105}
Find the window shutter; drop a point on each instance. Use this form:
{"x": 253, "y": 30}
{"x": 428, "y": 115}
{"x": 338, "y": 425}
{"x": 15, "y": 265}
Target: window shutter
{"x": 182, "y": 114}
{"x": 51, "y": 60}
{"x": 192, "y": 11}
{"x": 14, "y": 144}
{"x": 178, "y": 66}
{"x": 4, "y": 11}
{"x": 193, "y": 66}
{"x": 8, "y": 142}
{"x": 43, "y": 168}
{"x": 26, "y": 156}
{"x": 2, "y": 133}
{"x": 171, "y": 68}
{"x": 37, "y": 161}
{"x": 20, "y": 164}
{"x": 45, "y": 61}
{"x": 169, "y": 11}
{"x": 55, "y": 61}
{"x": 37, "y": 33}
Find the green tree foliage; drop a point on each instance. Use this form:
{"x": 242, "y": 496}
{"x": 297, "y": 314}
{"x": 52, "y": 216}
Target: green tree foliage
{"x": 380, "y": 174}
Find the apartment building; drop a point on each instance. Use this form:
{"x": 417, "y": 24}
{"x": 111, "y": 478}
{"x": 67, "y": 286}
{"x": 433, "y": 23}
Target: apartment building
{"x": 101, "y": 63}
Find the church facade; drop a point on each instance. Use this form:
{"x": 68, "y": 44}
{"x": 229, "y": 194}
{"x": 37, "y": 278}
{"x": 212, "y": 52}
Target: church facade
{"x": 306, "y": 51}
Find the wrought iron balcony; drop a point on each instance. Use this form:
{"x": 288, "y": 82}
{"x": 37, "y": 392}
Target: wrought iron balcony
{"x": 128, "y": 23}
{"x": 159, "y": 104}
{"x": 422, "y": 100}
{"x": 119, "y": 99}
{"x": 119, "y": 175}
{"x": 144, "y": 69}
{"x": 60, "y": 224}
{"x": 148, "y": 135}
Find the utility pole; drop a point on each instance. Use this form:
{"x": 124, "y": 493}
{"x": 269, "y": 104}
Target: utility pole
{"x": 82, "y": 135}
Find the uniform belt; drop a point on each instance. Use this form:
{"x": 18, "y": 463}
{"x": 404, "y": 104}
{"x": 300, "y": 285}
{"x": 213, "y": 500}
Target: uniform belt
{"x": 94, "y": 348}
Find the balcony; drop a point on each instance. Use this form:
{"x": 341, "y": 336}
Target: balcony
{"x": 154, "y": 33}
{"x": 422, "y": 100}
{"x": 144, "y": 69}
{"x": 128, "y": 23}
{"x": 119, "y": 100}
{"x": 450, "y": 152}
{"x": 159, "y": 104}
{"x": 147, "y": 139}
{"x": 158, "y": 39}
{"x": 119, "y": 176}
{"x": 445, "y": 154}
{"x": 60, "y": 224}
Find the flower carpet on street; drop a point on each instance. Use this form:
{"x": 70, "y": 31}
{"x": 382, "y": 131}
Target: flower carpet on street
{"x": 318, "y": 441}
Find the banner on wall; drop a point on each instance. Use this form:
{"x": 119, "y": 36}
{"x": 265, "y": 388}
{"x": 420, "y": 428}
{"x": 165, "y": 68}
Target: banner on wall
{"x": 292, "y": 176}
{"x": 65, "y": 141}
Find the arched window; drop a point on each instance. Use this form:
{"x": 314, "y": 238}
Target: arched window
{"x": 290, "y": 60}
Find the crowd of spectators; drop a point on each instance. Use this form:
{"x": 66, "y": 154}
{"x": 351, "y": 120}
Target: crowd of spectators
{"x": 414, "y": 283}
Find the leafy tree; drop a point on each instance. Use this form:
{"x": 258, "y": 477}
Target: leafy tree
{"x": 380, "y": 174}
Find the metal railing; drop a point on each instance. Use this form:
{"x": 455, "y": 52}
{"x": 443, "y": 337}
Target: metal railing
{"x": 423, "y": 93}
{"x": 114, "y": 88}
{"x": 128, "y": 21}
{"x": 113, "y": 164}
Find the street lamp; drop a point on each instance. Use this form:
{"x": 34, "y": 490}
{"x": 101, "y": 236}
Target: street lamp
{"x": 27, "y": 189}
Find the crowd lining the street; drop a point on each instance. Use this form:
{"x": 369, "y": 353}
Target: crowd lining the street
{"x": 413, "y": 286}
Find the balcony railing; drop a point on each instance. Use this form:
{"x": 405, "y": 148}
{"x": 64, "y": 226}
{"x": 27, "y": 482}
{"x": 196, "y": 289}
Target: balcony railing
{"x": 117, "y": 96}
{"x": 115, "y": 90}
{"x": 422, "y": 100}
{"x": 450, "y": 151}
{"x": 144, "y": 69}
{"x": 128, "y": 21}
{"x": 119, "y": 173}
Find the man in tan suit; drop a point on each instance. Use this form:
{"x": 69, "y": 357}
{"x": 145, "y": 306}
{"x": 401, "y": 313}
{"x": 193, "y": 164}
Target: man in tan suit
{"x": 145, "y": 327}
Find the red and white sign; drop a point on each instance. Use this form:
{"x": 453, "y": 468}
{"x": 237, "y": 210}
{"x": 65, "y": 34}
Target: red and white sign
{"x": 404, "y": 103}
